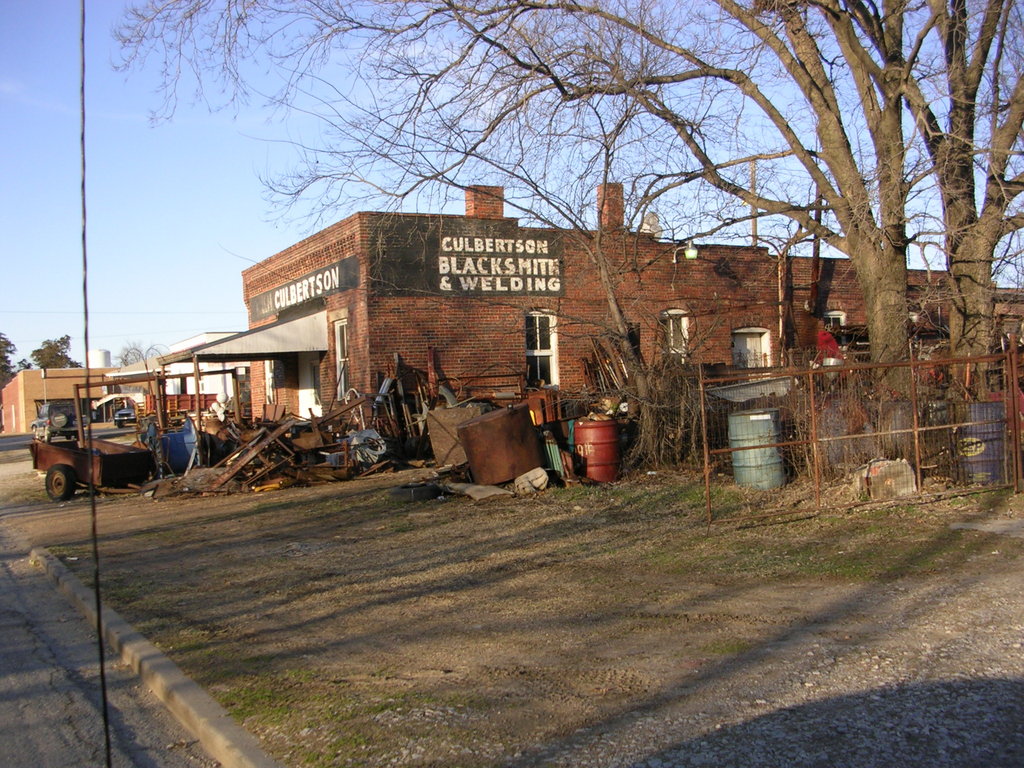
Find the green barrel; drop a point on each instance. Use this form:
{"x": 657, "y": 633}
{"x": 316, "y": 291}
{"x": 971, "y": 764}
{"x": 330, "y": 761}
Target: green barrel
{"x": 756, "y": 467}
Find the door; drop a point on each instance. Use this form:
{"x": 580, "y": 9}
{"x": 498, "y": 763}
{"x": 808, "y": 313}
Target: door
{"x": 309, "y": 385}
{"x": 750, "y": 347}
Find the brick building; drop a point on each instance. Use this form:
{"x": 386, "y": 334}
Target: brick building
{"x": 31, "y": 388}
{"x": 479, "y": 294}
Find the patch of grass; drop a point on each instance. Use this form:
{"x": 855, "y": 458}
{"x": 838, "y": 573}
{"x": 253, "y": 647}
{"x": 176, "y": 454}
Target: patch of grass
{"x": 321, "y": 723}
{"x": 127, "y": 591}
{"x": 261, "y": 698}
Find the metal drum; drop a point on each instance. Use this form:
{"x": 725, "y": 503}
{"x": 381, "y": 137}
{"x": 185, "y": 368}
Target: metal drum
{"x": 597, "y": 445}
{"x": 756, "y": 467}
{"x": 981, "y": 447}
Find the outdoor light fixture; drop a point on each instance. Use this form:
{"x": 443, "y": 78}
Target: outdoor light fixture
{"x": 689, "y": 251}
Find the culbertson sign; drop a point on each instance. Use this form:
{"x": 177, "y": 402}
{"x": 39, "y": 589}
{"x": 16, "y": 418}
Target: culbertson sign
{"x": 339, "y": 276}
{"x": 469, "y": 258}
{"x": 530, "y": 270}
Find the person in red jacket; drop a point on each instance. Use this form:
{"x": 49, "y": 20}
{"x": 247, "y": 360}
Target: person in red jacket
{"x": 828, "y": 347}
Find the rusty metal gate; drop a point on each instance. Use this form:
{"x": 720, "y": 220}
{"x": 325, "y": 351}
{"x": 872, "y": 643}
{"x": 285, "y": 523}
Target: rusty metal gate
{"x": 905, "y": 429}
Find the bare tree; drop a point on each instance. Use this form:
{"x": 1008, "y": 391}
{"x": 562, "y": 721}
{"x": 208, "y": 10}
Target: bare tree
{"x": 866, "y": 123}
{"x": 967, "y": 102}
{"x": 135, "y": 351}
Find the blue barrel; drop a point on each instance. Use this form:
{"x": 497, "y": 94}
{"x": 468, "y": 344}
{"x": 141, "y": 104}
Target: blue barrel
{"x": 178, "y": 446}
{"x": 756, "y": 467}
{"x": 982, "y": 447}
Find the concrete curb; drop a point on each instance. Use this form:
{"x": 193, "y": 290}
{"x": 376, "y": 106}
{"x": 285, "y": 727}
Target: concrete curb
{"x": 210, "y": 723}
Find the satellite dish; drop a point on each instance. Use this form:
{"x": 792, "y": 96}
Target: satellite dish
{"x": 650, "y": 225}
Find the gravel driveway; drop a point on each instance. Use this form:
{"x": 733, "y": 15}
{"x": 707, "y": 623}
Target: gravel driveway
{"x": 603, "y": 629}
{"x": 916, "y": 676}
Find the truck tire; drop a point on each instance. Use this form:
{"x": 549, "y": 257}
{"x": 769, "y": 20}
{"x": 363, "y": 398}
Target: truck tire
{"x": 60, "y": 482}
{"x": 59, "y": 420}
{"x": 415, "y": 492}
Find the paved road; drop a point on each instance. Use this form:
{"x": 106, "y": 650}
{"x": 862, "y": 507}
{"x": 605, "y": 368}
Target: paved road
{"x": 50, "y": 706}
{"x": 14, "y": 447}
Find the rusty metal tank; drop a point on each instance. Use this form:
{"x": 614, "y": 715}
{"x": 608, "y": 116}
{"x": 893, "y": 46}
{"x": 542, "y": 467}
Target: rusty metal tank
{"x": 501, "y": 445}
{"x": 597, "y": 445}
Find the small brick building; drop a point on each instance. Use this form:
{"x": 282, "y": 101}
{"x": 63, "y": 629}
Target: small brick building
{"x": 479, "y": 294}
{"x": 31, "y": 388}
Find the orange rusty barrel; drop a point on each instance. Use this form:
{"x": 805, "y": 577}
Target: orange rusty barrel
{"x": 597, "y": 445}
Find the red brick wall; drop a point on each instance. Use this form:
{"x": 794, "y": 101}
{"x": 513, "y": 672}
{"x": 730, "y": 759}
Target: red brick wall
{"x": 725, "y": 288}
{"x": 485, "y": 202}
{"x": 338, "y": 241}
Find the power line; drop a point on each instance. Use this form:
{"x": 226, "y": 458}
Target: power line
{"x": 76, "y": 313}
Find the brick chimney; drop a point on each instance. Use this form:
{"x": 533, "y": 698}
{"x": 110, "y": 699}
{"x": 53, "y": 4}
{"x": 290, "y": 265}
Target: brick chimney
{"x": 610, "y": 206}
{"x": 485, "y": 202}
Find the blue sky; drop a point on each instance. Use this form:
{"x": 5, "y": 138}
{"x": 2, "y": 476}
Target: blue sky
{"x": 175, "y": 211}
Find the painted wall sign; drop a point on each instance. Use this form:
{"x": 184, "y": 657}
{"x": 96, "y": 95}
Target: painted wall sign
{"x": 339, "y": 276}
{"x": 466, "y": 257}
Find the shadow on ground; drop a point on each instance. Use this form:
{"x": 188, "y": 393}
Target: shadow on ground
{"x": 954, "y": 724}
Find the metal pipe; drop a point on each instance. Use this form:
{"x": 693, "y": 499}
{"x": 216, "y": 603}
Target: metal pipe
{"x": 1013, "y": 394}
{"x": 913, "y": 411}
{"x": 815, "y": 450}
{"x": 707, "y": 453}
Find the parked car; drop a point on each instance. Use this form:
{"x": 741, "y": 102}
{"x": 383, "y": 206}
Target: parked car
{"x": 123, "y": 416}
{"x": 55, "y": 419}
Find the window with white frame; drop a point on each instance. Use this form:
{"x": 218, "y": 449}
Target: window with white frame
{"x": 675, "y": 326}
{"x": 341, "y": 357}
{"x": 541, "y": 351}
{"x": 834, "y": 320}
{"x": 750, "y": 347}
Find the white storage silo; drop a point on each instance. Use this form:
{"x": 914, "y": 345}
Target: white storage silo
{"x": 99, "y": 358}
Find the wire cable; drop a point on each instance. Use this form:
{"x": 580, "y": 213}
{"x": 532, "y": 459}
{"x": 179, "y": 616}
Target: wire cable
{"x": 94, "y": 530}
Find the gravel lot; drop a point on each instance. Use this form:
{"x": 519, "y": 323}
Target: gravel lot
{"x": 603, "y": 629}
{"x": 916, "y": 675}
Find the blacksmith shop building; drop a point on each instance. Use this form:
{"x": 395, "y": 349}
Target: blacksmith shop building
{"x": 478, "y": 294}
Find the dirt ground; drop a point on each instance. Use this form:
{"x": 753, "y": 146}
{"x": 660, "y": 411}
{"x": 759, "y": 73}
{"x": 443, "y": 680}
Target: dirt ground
{"x": 580, "y": 626}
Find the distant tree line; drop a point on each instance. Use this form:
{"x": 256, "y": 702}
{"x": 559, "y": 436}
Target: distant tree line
{"x": 52, "y": 353}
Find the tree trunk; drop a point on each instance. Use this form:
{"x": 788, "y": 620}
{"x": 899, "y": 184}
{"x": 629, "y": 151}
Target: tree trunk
{"x": 882, "y": 276}
{"x": 639, "y": 382}
{"x": 972, "y": 302}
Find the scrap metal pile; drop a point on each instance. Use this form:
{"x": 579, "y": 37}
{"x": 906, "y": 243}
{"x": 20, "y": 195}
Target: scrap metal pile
{"x": 278, "y": 451}
{"x": 487, "y": 428}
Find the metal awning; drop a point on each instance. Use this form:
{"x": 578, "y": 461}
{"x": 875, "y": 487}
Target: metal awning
{"x": 303, "y": 334}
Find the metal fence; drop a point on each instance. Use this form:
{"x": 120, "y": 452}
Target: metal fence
{"x": 907, "y": 429}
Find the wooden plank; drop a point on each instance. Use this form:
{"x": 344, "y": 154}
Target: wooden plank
{"x": 252, "y": 452}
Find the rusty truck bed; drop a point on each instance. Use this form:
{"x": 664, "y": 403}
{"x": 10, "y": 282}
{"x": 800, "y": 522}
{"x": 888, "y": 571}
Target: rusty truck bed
{"x": 109, "y": 464}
